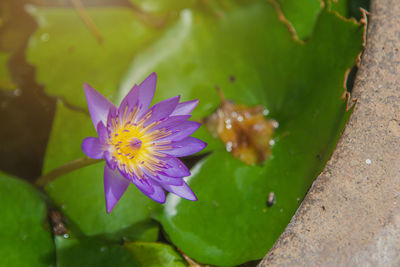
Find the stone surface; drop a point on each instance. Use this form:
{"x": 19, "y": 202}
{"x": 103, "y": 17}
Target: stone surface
{"x": 351, "y": 215}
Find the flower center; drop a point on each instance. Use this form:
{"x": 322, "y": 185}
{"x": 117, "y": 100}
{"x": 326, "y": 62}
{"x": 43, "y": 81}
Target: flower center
{"x": 127, "y": 143}
{"x": 135, "y": 147}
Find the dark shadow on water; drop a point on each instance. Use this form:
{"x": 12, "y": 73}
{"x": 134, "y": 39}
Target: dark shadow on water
{"x": 26, "y": 114}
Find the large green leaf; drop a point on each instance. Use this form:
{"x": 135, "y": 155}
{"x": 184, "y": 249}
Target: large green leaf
{"x": 25, "y": 236}
{"x": 301, "y": 85}
{"x": 66, "y": 53}
{"x": 197, "y": 54}
{"x": 340, "y": 6}
{"x": 80, "y": 194}
{"x": 162, "y": 6}
{"x": 301, "y": 15}
{"x": 151, "y": 254}
{"x": 91, "y": 252}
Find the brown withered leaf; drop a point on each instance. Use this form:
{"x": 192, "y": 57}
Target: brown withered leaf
{"x": 245, "y": 131}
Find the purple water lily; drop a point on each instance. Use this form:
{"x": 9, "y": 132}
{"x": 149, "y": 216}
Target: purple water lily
{"x": 140, "y": 144}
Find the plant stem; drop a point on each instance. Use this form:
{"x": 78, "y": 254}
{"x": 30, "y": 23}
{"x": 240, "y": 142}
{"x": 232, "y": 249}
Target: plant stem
{"x": 88, "y": 21}
{"x": 64, "y": 169}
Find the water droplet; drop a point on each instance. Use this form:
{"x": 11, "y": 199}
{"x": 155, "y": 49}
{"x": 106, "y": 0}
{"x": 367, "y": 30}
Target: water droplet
{"x": 66, "y": 236}
{"x": 271, "y": 142}
{"x": 44, "y": 37}
{"x": 275, "y": 124}
{"x": 17, "y": 92}
{"x": 265, "y": 112}
{"x": 102, "y": 249}
{"x": 368, "y": 161}
{"x": 281, "y": 210}
{"x": 229, "y": 146}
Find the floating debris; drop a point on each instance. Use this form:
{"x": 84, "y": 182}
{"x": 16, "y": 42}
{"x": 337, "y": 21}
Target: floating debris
{"x": 245, "y": 131}
{"x": 57, "y": 223}
{"x": 271, "y": 199}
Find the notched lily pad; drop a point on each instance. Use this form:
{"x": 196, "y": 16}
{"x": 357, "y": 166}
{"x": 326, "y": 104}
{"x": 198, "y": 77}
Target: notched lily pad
{"x": 299, "y": 16}
{"x": 300, "y": 84}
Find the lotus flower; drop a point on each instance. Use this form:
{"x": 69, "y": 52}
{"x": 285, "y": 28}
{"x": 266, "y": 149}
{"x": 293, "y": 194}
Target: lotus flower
{"x": 140, "y": 144}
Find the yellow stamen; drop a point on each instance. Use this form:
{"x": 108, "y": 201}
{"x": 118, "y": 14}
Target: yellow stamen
{"x": 135, "y": 148}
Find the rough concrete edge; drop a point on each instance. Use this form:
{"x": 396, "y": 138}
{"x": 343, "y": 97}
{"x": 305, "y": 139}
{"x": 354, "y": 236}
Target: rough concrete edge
{"x": 315, "y": 237}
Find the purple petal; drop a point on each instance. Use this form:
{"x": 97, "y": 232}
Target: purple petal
{"x": 110, "y": 160}
{"x": 171, "y": 122}
{"x": 162, "y": 179}
{"x": 99, "y": 106}
{"x": 185, "y": 108}
{"x": 174, "y": 168}
{"x": 182, "y": 131}
{"x": 185, "y": 147}
{"x": 144, "y": 185}
{"x": 183, "y": 191}
{"x": 131, "y": 99}
{"x": 93, "y": 148}
{"x": 162, "y": 110}
{"x": 146, "y": 93}
{"x": 158, "y": 194}
{"x": 102, "y": 132}
{"x": 115, "y": 186}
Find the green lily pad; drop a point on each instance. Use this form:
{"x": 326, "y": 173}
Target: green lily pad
{"x": 91, "y": 252}
{"x": 80, "y": 194}
{"x": 301, "y": 15}
{"x": 162, "y": 6}
{"x": 301, "y": 86}
{"x": 25, "y": 236}
{"x": 201, "y": 52}
{"x": 64, "y": 44}
{"x": 155, "y": 254}
{"x": 340, "y": 6}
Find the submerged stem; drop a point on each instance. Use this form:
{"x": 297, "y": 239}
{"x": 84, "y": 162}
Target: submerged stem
{"x": 64, "y": 169}
{"x": 88, "y": 21}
